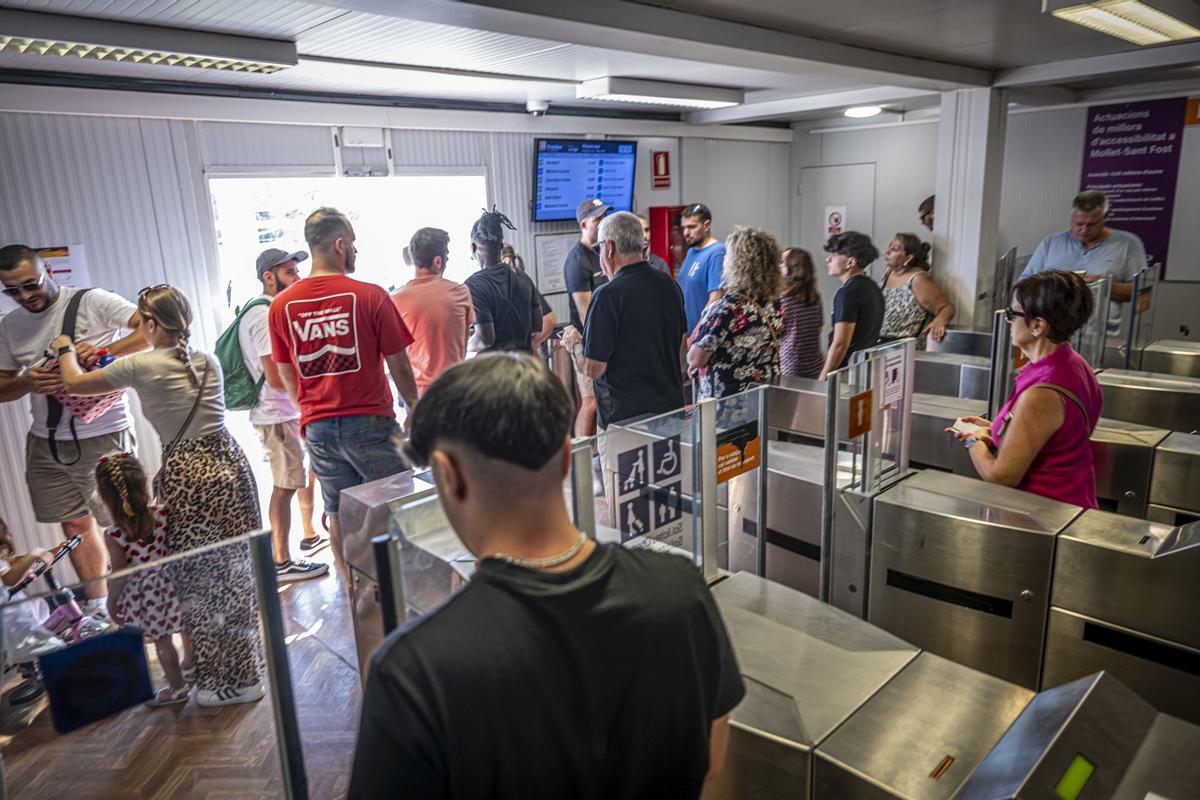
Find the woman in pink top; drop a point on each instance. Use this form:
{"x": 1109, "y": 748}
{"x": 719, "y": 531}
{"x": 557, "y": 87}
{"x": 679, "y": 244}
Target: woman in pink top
{"x": 1041, "y": 440}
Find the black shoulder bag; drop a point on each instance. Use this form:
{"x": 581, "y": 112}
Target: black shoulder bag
{"x": 54, "y": 409}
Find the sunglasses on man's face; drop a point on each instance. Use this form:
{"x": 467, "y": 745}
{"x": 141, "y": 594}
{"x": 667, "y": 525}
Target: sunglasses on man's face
{"x": 598, "y": 246}
{"x": 27, "y": 288}
{"x": 1009, "y": 313}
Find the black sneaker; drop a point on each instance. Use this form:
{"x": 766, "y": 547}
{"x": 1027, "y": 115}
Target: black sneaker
{"x": 310, "y": 546}
{"x": 299, "y": 569}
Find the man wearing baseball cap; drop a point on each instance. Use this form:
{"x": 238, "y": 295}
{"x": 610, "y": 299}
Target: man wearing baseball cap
{"x": 277, "y": 420}
{"x": 583, "y": 276}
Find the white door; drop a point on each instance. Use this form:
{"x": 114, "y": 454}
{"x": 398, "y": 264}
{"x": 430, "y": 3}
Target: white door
{"x": 849, "y": 186}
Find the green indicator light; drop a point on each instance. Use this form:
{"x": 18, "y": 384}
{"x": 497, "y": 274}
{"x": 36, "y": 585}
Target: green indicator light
{"x": 1074, "y": 778}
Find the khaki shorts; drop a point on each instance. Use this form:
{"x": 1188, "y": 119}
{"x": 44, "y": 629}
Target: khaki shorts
{"x": 63, "y": 492}
{"x": 285, "y": 451}
{"x": 573, "y": 340}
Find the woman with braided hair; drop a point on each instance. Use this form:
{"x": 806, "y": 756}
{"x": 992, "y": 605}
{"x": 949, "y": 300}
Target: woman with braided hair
{"x": 205, "y": 485}
{"x": 508, "y": 308}
{"x": 147, "y": 598}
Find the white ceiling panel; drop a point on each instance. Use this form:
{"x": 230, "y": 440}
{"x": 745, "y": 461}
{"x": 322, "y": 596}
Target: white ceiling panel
{"x": 275, "y": 19}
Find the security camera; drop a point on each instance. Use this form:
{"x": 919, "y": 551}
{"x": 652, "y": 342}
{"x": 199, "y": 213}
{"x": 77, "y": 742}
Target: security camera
{"x": 537, "y": 107}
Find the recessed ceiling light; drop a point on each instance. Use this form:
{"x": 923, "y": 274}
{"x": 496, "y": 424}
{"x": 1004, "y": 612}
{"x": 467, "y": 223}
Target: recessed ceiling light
{"x": 658, "y": 93}
{"x": 862, "y": 112}
{"x": 1132, "y": 20}
{"x": 31, "y": 33}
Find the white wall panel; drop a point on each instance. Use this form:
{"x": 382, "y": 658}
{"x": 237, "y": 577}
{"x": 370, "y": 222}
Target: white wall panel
{"x": 742, "y": 183}
{"x": 236, "y": 144}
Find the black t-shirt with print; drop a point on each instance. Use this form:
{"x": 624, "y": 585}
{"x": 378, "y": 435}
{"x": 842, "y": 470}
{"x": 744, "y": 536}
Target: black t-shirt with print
{"x": 583, "y": 274}
{"x": 601, "y": 682}
{"x": 859, "y": 301}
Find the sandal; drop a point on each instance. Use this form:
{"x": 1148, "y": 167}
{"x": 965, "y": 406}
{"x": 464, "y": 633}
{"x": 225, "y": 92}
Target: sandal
{"x": 167, "y": 696}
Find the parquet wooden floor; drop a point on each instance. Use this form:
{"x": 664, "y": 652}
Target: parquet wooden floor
{"x": 207, "y": 754}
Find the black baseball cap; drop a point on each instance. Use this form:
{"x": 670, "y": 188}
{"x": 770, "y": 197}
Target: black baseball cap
{"x": 268, "y": 259}
{"x": 591, "y": 208}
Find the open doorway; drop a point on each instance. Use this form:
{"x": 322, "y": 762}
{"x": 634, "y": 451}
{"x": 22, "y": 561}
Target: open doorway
{"x": 253, "y": 214}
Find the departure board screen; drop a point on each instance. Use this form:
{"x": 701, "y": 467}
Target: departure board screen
{"x": 568, "y": 171}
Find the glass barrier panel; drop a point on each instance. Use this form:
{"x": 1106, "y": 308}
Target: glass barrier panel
{"x": 171, "y": 696}
{"x": 1143, "y": 313}
{"x": 433, "y": 563}
{"x": 1092, "y": 338}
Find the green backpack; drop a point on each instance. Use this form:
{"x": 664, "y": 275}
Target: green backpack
{"x": 241, "y": 390}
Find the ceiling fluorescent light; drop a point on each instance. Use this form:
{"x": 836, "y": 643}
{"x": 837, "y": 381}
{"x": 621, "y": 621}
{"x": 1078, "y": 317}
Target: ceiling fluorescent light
{"x": 862, "y": 112}
{"x": 658, "y": 93}
{"x": 31, "y": 33}
{"x": 1132, "y": 20}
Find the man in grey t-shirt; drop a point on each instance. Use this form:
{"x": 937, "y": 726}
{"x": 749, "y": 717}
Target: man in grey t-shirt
{"x": 60, "y": 464}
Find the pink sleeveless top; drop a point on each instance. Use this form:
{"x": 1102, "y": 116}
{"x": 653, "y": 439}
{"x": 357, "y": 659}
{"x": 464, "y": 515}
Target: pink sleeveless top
{"x": 1065, "y": 468}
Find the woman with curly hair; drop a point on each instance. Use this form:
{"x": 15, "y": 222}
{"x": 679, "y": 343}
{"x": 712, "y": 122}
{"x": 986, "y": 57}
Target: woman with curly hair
{"x": 737, "y": 340}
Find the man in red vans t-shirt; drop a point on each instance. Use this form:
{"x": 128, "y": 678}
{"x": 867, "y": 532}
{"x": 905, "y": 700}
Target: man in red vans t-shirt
{"x": 331, "y": 335}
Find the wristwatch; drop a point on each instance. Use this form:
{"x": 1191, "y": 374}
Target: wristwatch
{"x": 66, "y": 348}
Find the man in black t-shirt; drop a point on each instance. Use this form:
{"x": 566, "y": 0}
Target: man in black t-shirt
{"x": 583, "y": 275}
{"x": 508, "y": 308}
{"x": 564, "y": 669}
{"x": 858, "y": 305}
{"x": 636, "y": 332}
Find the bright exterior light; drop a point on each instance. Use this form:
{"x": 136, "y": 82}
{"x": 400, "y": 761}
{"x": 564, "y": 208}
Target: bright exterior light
{"x": 1130, "y": 20}
{"x": 862, "y": 112}
{"x": 658, "y": 93}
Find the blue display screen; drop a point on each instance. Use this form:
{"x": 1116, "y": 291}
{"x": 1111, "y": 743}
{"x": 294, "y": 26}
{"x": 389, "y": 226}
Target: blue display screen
{"x": 568, "y": 171}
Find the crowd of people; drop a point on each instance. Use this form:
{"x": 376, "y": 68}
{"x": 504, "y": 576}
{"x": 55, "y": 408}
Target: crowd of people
{"x": 311, "y": 359}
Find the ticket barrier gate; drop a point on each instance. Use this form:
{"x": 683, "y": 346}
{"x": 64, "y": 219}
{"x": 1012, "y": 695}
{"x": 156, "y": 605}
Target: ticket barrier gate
{"x": 1149, "y": 398}
{"x": 1171, "y": 357}
{"x": 952, "y": 375}
{"x": 1091, "y": 739}
{"x": 962, "y": 568}
{"x": 1124, "y": 599}
{"x": 1174, "y": 498}
{"x": 962, "y": 341}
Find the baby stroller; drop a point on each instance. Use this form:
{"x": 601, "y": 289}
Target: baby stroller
{"x": 66, "y": 625}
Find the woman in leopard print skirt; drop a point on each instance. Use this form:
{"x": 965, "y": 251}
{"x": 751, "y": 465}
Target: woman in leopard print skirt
{"x": 206, "y": 487}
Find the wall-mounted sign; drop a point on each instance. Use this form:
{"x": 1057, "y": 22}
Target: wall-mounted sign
{"x": 835, "y": 220}
{"x": 1131, "y": 153}
{"x": 660, "y": 165}
{"x": 67, "y": 264}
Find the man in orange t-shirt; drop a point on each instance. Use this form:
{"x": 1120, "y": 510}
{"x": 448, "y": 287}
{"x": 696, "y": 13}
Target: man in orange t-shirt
{"x": 438, "y": 311}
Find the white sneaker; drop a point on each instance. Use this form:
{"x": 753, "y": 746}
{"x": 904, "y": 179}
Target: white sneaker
{"x": 299, "y": 569}
{"x": 211, "y": 698}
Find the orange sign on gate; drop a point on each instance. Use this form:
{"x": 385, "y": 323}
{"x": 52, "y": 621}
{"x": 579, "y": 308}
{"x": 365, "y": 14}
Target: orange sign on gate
{"x": 860, "y": 414}
{"x": 1193, "y": 112}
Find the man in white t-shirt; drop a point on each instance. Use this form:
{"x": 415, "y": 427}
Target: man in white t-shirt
{"x": 277, "y": 420}
{"x": 60, "y": 467}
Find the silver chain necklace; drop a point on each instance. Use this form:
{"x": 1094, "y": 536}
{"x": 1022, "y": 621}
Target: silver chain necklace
{"x": 543, "y": 563}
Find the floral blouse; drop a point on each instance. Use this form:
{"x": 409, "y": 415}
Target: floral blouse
{"x": 743, "y": 338}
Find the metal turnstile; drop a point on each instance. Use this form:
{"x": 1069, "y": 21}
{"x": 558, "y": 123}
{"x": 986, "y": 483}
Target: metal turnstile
{"x": 1124, "y": 599}
{"x": 931, "y": 447}
{"x": 1175, "y": 487}
{"x": 1151, "y": 398}
{"x": 1172, "y": 357}
{"x": 807, "y": 668}
{"x": 952, "y": 375}
{"x": 920, "y": 736}
{"x": 795, "y": 476}
{"x": 1124, "y": 458}
{"x": 365, "y": 512}
{"x": 1092, "y": 739}
{"x": 962, "y": 568}
{"x": 964, "y": 342}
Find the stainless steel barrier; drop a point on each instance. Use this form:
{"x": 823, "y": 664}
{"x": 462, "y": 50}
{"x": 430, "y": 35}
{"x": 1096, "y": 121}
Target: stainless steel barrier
{"x": 807, "y": 667}
{"x": 952, "y": 375}
{"x": 962, "y": 568}
{"x": 1174, "y": 497}
{"x": 920, "y": 736}
{"x": 1150, "y": 398}
{"x": 964, "y": 342}
{"x": 1172, "y": 357}
{"x": 1092, "y": 738}
{"x": 1124, "y": 600}
{"x": 1091, "y": 340}
{"x": 1124, "y": 458}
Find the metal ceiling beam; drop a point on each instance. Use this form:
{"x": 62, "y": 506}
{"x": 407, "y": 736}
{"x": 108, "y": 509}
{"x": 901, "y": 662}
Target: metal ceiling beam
{"x": 633, "y": 27}
{"x": 784, "y": 107}
{"x": 1184, "y": 54}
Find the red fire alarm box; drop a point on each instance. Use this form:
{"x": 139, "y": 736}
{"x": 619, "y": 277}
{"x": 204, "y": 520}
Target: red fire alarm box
{"x": 666, "y": 235}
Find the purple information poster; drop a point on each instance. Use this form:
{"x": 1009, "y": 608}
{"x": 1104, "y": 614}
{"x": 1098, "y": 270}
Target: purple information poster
{"x": 1132, "y": 155}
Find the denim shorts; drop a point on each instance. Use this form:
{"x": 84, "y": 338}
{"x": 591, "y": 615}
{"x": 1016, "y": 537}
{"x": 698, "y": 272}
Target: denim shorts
{"x": 349, "y": 451}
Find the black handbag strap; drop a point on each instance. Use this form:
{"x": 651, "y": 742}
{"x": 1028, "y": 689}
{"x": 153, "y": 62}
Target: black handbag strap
{"x": 54, "y": 409}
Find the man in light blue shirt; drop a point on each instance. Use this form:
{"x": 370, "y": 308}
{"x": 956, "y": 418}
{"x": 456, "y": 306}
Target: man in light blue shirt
{"x": 700, "y": 275}
{"x": 1092, "y": 247}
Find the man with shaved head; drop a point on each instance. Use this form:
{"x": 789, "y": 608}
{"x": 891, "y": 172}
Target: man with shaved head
{"x": 331, "y": 336}
{"x": 565, "y": 668}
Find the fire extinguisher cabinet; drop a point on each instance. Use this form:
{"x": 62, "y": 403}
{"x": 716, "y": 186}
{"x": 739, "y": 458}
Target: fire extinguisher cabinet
{"x": 666, "y": 235}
